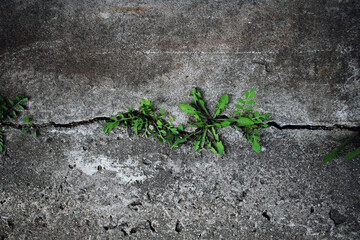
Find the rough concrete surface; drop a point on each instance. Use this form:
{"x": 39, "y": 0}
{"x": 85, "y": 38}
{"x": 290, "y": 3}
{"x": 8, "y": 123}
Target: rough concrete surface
{"x": 80, "y": 60}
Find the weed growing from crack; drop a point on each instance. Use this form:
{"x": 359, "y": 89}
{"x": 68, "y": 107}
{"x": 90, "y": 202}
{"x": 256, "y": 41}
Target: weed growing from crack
{"x": 9, "y": 111}
{"x": 205, "y": 135}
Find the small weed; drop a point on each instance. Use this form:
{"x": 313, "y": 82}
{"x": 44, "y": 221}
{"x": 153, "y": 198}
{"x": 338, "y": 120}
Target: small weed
{"x": 205, "y": 135}
{"x": 9, "y": 110}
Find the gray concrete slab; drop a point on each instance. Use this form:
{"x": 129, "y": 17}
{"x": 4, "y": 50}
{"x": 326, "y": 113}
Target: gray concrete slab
{"x": 78, "y": 60}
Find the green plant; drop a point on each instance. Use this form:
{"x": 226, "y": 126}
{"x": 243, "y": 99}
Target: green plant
{"x": 207, "y": 124}
{"x": 205, "y": 135}
{"x": 149, "y": 123}
{"x": 9, "y": 111}
{"x": 335, "y": 153}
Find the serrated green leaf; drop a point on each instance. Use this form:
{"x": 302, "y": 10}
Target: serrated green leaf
{"x": 196, "y": 145}
{"x": 352, "y": 154}
{"x": 223, "y": 101}
{"x": 252, "y": 90}
{"x": 256, "y": 146}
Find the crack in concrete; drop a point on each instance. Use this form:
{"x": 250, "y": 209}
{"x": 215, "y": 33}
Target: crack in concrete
{"x": 104, "y": 119}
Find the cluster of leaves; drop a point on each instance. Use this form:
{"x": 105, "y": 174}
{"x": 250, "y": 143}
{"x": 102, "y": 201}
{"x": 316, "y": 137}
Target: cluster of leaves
{"x": 207, "y": 124}
{"x": 149, "y": 123}
{"x": 205, "y": 135}
{"x": 8, "y": 111}
{"x": 335, "y": 153}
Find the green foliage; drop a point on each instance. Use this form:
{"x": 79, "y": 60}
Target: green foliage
{"x": 149, "y": 123}
{"x": 335, "y": 153}
{"x": 206, "y": 135}
{"x": 9, "y": 110}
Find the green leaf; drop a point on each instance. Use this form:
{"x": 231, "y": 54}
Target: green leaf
{"x": 248, "y": 108}
{"x": 213, "y": 150}
{"x": 187, "y": 109}
{"x": 334, "y": 154}
{"x": 225, "y": 124}
{"x": 238, "y": 106}
{"x": 11, "y": 102}
{"x": 161, "y": 111}
{"x": 192, "y": 92}
{"x": 252, "y": 90}
{"x": 21, "y": 107}
{"x": 24, "y": 131}
{"x": 202, "y": 105}
{"x": 221, "y": 105}
{"x": 241, "y": 101}
{"x": 202, "y": 141}
{"x": 196, "y": 145}
{"x": 330, "y": 156}
{"x": 246, "y": 94}
{"x": 256, "y": 146}
{"x": 219, "y": 147}
{"x": 171, "y": 118}
{"x": 34, "y": 133}
{"x": 26, "y": 120}
{"x": 242, "y": 122}
{"x": 169, "y": 138}
{"x": 113, "y": 118}
{"x": 352, "y": 154}
{"x": 180, "y": 128}
{"x": 202, "y": 124}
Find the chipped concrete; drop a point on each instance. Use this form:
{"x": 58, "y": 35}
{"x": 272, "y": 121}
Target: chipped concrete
{"x": 87, "y": 60}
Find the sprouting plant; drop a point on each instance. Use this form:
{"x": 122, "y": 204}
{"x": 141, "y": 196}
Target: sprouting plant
{"x": 251, "y": 122}
{"x": 149, "y": 123}
{"x": 8, "y": 111}
{"x": 207, "y": 124}
{"x": 335, "y": 153}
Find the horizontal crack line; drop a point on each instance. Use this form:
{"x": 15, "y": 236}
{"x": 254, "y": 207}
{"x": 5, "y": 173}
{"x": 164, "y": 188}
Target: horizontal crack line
{"x": 103, "y": 119}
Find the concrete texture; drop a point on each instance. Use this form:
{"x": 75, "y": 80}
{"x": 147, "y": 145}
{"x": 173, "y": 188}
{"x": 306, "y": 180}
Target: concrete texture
{"x": 79, "y": 60}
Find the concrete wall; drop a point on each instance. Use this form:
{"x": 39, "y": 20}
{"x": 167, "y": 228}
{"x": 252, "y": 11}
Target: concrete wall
{"x": 81, "y": 60}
